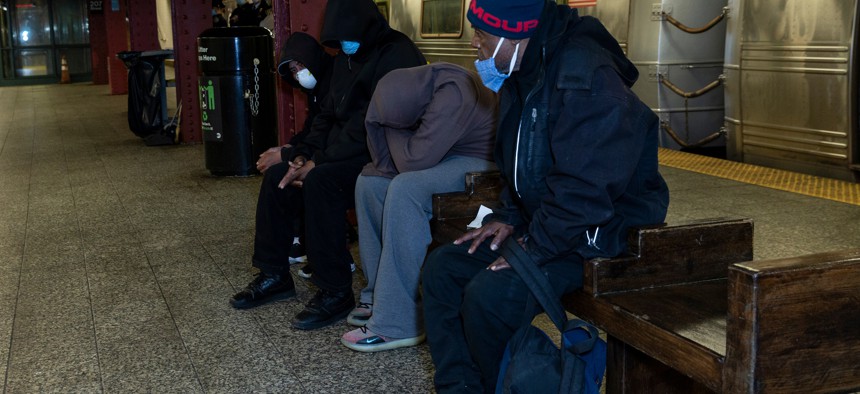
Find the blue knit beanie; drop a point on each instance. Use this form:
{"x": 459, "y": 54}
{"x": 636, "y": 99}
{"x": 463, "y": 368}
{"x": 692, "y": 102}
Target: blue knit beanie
{"x": 514, "y": 19}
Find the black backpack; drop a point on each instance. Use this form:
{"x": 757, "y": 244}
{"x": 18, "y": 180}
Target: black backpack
{"x": 532, "y": 363}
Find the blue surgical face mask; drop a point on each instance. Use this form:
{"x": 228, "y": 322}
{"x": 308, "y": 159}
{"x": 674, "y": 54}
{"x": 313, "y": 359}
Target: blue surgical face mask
{"x": 490, "y": 75}
{"x": 349, "y": 47}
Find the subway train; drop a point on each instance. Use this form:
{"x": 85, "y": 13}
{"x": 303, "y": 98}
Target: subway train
{"x": 767, "y": 82}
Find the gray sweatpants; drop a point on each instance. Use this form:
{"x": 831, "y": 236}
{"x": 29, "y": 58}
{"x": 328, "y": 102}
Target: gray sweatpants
{"x": 393, "y": 234}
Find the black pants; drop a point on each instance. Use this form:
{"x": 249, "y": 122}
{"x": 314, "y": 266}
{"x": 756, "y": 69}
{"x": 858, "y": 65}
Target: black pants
{"x": 470, "y": 312}
{"x": 327, "y": 192}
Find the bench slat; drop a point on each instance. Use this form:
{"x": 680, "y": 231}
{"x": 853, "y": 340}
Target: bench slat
{"x": 681, "y": 326}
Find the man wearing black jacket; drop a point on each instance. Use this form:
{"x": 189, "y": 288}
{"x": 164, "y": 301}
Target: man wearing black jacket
{"x": 578, "y": 151}
{"x": 324, "y": 167}
{"x": 306, "y": 66}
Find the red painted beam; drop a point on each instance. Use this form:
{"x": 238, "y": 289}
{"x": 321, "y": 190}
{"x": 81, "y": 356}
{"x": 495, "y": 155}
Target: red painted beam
{"x": 294, "y": 15}
{"x": 190, "y": 18}
{"x": 116, "y": 33}
{"x": 98, "y": 47}
{"x": 143, "y": 25}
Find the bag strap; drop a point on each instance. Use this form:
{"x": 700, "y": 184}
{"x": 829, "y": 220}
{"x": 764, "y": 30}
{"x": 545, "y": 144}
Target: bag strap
{"x": 540, "y": 287}
{"x": 536, "y": 282}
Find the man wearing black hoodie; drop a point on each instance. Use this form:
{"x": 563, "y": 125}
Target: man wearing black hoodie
{"x": 305, "y": 66}
{"x": 323, "y": 168}
{"x": 578, "y": 151}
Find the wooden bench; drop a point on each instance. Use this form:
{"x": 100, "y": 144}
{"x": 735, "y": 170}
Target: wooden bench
{"x": 688, "y": 312}
{"x": 452, "y": 212}
{"x": 784, "y": 325}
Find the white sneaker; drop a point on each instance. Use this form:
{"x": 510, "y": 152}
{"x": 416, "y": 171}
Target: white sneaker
{"x": 297, "y": 253}
{"x": 307, "y": 271}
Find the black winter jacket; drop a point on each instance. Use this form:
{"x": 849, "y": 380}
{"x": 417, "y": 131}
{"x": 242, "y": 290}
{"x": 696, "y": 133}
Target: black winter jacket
{"x": 338, "y": 132}
{"x": 576, "y": 146}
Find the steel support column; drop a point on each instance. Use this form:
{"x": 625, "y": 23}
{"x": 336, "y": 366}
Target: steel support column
{"x": 190, "y": 18}
{"x": 143, "y": 25}
{"x": 116, "y": 33}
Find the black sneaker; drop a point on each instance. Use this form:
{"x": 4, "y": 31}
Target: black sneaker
{"x": 324, "y": 309}
{"x": 308, "y": 270}
{"x": 297, "y": 253}
{"x": 263, "y": 289}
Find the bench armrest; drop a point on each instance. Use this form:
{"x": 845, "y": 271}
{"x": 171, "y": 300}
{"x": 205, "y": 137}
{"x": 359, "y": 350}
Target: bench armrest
{"x": 794, "y": 324}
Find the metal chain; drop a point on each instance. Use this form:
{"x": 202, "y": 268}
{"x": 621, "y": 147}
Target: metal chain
{"x": 255, "y": 99}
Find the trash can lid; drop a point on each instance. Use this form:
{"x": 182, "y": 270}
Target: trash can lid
{"x": 158, "y": 53}
{"x": 235, "y": 31}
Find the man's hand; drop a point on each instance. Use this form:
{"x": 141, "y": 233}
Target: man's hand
{"x": 270, "y": 157}
{"x": 499, "y": 231}
{"x": 299, "y": 169}
{"x": 499, "y": 264}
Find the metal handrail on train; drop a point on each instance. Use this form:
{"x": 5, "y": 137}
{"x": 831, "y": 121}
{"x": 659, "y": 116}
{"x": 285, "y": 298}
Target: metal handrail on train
{"x": 711, "y": 86}
{"x": 693, "y": 30}
{"x": 687, "y": 95}
{"x": 701, "y": 142}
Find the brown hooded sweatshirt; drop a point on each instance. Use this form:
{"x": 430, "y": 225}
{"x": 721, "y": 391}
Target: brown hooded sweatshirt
{"x": 419, "y": 116}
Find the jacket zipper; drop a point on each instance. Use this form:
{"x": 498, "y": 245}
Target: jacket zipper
{"x": 534, "y": 120}
{"x": 517, "y": 152}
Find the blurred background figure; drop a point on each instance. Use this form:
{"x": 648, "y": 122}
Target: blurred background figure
{"x": 245, "y": 13}
{"x": 219, "y": 12}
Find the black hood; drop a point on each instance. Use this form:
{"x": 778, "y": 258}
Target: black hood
{"x": 592, "y": 31}
{"x": 304, "y": 49}
{"x": 353, "y": 20}
{"x": 556, "y": 23}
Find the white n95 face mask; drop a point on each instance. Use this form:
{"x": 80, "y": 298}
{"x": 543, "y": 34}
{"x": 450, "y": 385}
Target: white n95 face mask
{"x": 306, "y": 79}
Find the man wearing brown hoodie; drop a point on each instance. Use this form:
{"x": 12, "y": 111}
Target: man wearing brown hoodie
{"x": 423, "y": 140}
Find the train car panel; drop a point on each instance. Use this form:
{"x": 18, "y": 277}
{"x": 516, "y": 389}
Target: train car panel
{"x": 797, "y": 86}
{"x": 732, "y": 83}
{"x": 680, "y": 71}
{"x": 615, "y": 15}
{"x": 439, "y": 28}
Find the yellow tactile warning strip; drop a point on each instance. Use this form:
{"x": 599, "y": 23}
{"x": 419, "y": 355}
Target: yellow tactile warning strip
{"x": 809, "y": 185}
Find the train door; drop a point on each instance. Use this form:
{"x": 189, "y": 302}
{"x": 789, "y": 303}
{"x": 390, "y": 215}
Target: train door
{"x": 37, "y": 35}
{"x": 438, "y": 28}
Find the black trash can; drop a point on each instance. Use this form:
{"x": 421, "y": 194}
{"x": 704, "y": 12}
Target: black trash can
{"x": 147, "y": 98}
{"x": 237, "y": 97}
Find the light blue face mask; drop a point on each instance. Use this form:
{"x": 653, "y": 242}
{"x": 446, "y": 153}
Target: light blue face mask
{"x": 349, "y": 47}
{"x": 490, "y": 75}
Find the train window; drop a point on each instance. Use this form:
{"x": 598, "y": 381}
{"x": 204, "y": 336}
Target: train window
{"x": 441, "y": 18}
{"x": 383, "y": 8}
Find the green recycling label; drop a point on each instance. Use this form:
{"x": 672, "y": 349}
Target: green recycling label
{"x": 210, "y": 113}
